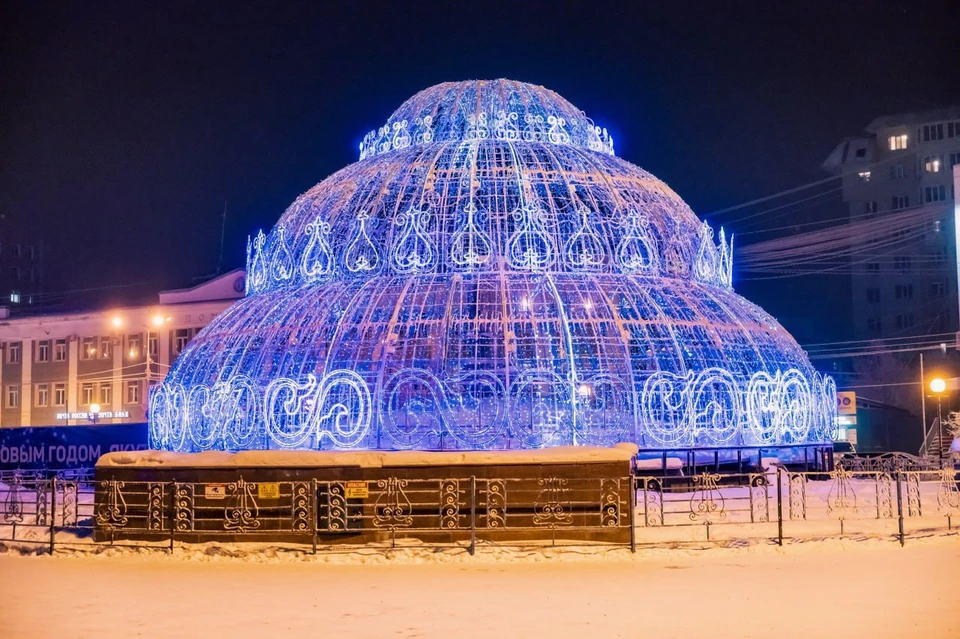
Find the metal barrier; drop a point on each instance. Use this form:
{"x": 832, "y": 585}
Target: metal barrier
{"x": 461, "y": 511}
{"x": 799, "y": 504}
{"x": 447, "y": 511}
{"x": 888, "y": 462}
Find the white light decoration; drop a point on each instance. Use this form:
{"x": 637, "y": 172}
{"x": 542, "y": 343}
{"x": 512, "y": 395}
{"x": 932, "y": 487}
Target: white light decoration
{"x": 489, "y": 275}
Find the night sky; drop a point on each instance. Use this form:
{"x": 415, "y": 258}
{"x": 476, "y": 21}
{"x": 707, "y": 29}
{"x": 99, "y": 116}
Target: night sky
{"x": 125, "y": 126}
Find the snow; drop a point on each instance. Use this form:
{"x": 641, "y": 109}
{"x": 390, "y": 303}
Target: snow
{"x": 856, "y": 588}
{"x": 673, "y": 463}
{"x": 368, "y": 459}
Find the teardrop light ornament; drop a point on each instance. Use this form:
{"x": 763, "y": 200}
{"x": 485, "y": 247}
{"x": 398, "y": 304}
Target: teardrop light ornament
{"x": 635, "y": 251}
{"x": 361, "y": 254}
{"x": 317, "y": 261}
{"x": 584, "y": 250}
{"x": 470, "y": 246}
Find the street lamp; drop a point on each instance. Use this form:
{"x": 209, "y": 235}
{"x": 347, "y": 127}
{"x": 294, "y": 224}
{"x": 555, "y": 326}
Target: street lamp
{"x": 94, "y": 413}
{"x": 937, "y": 386}
{"x": 156, "y": 321}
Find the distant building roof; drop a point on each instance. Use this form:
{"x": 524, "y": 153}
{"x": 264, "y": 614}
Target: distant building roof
{"x": 228, "y": 286}
{"x": 914, "y": 117}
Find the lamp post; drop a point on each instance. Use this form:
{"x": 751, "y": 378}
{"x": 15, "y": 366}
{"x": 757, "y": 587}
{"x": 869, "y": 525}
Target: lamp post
{"x": 937, "y": 387}
{"x": 157, "y": 321}
{"x": 94, "y": 413}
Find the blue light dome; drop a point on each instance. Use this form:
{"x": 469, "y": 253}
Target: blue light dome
{"x": 490, "y": 275}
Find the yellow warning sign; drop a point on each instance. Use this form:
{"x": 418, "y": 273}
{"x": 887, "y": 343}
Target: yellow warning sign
{"x": 268, "y": 490}
{"x": 357, "y": 490}
{"x": 846, "y": 403}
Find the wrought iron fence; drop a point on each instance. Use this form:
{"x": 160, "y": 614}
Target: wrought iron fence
{"x": 798, "y": 504}
{"x": 457, "y": 510}
{"x": 888, "y": 462}
{"x": 461, "y": 511}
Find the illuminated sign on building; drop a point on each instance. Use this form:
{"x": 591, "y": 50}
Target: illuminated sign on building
{"x": 120, "y": 414}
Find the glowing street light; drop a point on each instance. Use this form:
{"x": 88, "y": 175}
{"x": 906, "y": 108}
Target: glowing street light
{"x": 937, "y": 385}
{"x": 117, "y": 321}
{"x": 94, "y": 412}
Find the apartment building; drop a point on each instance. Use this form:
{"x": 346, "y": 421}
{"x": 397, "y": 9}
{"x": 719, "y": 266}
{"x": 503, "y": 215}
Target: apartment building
{"x": 97, "y": 366}
{"x": 21, "y": 266}
{"x": 904, "y": 281}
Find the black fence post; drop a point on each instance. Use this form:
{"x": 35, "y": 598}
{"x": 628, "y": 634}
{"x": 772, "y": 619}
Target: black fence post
{"x": 633, "y": 510}
{"x": 473, "y": 514}
{"x": 314, "y": 515}
{"x": 779, "y": 506}
{"x": 53, "y": 511}
{"x": 173, "y": 512}
{"x": 900, "y": 507}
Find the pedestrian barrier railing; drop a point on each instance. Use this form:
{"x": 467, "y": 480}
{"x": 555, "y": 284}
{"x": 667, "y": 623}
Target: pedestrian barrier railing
{"x": 463, "y": 511}
{"x": 801, "y": 504}
{"x": 456, "y": 510}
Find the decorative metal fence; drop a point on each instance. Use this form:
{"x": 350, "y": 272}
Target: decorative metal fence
{"x": 445, "y": 511}
{"x": 462, "y": 511}
{"x": 889, "y": 462}
{"x": 798, "y": 504}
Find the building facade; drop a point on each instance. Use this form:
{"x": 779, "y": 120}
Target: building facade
{"x": 56, "y": 367}
{"x": 900, "y": 176}
{"x": 21, "y": 266}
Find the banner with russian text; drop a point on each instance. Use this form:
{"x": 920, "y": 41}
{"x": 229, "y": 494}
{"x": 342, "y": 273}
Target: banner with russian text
{"x": 66, "y": 447}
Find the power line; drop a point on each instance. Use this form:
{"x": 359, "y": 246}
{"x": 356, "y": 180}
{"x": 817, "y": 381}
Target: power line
{"x": 797, "y": 189}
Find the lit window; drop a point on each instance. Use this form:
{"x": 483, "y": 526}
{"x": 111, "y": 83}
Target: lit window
{"x": 133, "y": 346}
{"x": 106, "y": 348}
{"x": 14, "y": 297}
{"x": 89, "y": 350}
{"x": 87, "y": 392}
{"x": 864, "y": 175}
{"x": 931, "y": 164}
{"x": 153, "y": 345}
{"x": 898, "y": 142}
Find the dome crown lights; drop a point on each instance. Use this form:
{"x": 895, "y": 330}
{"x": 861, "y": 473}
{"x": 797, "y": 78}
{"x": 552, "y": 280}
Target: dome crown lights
{"x": 490, "y": 275}
{"x": 482, "y": 109}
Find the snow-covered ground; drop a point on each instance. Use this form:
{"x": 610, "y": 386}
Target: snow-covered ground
{"x": 829, "y": 588}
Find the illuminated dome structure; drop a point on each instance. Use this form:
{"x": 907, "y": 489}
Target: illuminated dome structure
{"x": 490, "y": 275}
